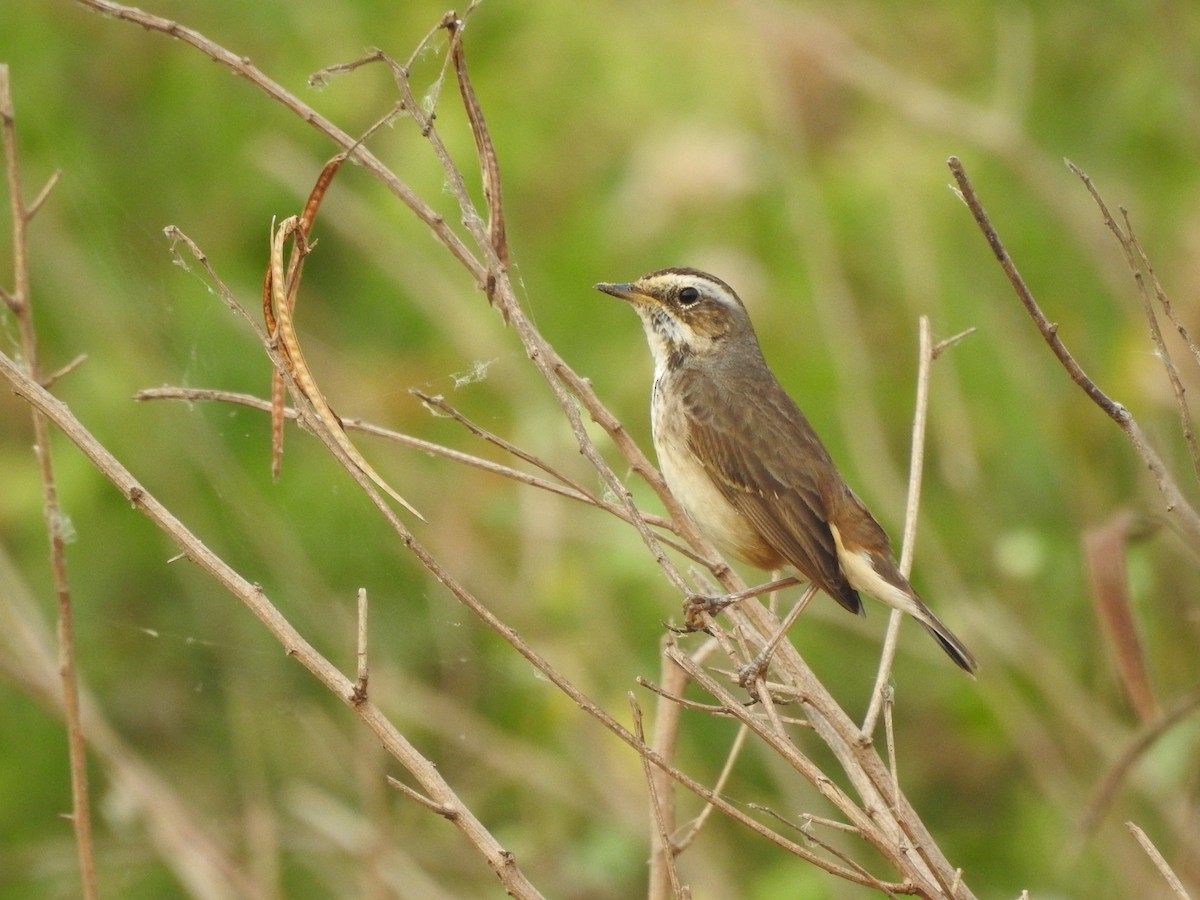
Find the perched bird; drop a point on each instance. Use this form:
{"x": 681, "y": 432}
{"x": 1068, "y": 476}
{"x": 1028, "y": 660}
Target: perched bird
{"x": 745, "y": 463}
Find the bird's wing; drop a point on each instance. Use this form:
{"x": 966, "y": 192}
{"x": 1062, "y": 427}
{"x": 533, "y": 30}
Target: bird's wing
{"x": 777, "y": 490}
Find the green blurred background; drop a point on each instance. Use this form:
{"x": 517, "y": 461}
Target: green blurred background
{"x": 796, "y": 149}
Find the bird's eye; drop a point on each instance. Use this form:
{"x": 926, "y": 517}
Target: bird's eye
{"x": 688, "y": 296}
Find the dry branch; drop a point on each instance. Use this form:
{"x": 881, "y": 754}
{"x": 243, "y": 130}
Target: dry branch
{"x": 1140, "y": 269}
{"x": 501, "y": 860}
{"x": 1160, "y": 863}
{"x": 19, "y": 301}
{"x": 1183, "y": 514}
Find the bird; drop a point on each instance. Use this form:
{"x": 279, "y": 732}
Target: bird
{"x": 743, "y": 460}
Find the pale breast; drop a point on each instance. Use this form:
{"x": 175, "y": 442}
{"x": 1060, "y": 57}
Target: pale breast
{"x": 694, "y": 488}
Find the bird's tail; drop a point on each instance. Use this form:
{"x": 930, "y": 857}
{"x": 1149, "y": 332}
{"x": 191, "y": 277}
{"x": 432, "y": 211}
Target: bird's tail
{"x": 949, "y": 642}
{"x": 876, "y": 573}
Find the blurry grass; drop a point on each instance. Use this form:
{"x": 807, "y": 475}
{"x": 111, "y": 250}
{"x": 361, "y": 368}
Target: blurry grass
{"x": 629, "y": 139}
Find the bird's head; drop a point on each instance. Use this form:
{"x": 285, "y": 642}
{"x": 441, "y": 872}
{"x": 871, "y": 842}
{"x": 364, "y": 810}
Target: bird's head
{"x": 686, "y": 312}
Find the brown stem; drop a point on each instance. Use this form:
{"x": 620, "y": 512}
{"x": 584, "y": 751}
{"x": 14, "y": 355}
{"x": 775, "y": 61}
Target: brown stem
{"x": 1186, "y": 517}
{"x": 19, "y": 300}
{"x": 252, "y": 595}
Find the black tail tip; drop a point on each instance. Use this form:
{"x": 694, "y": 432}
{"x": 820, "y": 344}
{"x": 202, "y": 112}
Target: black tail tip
{"x": 962, "y": 657}
{"x": 956, "y": 650}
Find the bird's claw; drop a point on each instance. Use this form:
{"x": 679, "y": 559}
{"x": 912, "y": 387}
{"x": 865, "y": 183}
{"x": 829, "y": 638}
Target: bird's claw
{"x": 697, "y": 606}
{"x": 749, "y": 674}
{"x": 682, "y": 629}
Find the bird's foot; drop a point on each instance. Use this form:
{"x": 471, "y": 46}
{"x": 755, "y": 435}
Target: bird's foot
{"x": 696, "y": 606}
{"x": 752, "y": 672}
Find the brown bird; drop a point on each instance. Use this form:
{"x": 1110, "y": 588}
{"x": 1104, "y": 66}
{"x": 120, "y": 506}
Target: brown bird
{"x": 743, "y": 460}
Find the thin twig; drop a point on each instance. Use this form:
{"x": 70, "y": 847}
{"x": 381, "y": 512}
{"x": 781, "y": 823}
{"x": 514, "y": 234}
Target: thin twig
{"x": 1186, "y": 517}
{"x": 1159, "y": 862}
{"x": 810, "y": 834}
{"x": 363, "y": 672}
{"x": 31, "y": 208}
{"x": 439, "y": 403}
{"x": 20, "y": 302}
{"x": 915, "y": 469}
{"x": 252, "y": 595}
{"x": 946, "y": 343}
{"x": 446, "y": 812}
{"x": 657, "y": 802}
{"x": 889, "y": 731}
{"x": 684, "y": 840}
{"x": 668, "y": 719}
{"x": 1140, "y": 268}
{"x": 249, "y": 400}
{"x": 48, "y": 381}
{"x": 713, "y": 708}
{"x": 176, "y": 236}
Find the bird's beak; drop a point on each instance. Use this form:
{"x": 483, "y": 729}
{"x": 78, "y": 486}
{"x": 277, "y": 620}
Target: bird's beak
{"x": 623, "y": 291}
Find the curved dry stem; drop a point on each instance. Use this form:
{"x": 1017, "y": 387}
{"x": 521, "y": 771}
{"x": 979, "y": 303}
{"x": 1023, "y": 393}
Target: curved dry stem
{"x": 1145, "y": 739}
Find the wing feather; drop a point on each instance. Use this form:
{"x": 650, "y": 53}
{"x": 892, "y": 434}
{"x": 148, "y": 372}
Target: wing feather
{"x": 777, "y": 490}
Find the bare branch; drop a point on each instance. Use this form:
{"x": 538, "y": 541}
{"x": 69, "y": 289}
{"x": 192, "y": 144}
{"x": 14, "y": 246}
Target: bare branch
{"x": 20, "y": 302}
{"x": 1185, "y": 516}
{"x": 175, "y": 235}
{"x": 446, "y": 812}
{"x": 1139, "y": 268}
{"x": 810, "y": 834}
{"x": 783, "y": 746}
{"x": 439, "y": 403}
{"x": 916, "y": 467}
{"x": 500, "y": 859}
{"x": 48, "y": 381}
{"x": 363, "y": 677}
{"x": 405, "y": 440}
{"x": 242, "y": 67}
{"x": 1159, "y": 863}
{"x": 663, "y": 820}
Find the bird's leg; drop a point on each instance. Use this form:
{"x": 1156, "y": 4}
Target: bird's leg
{"x": 697, "y": 604}
{"x": 757, "y": 667}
